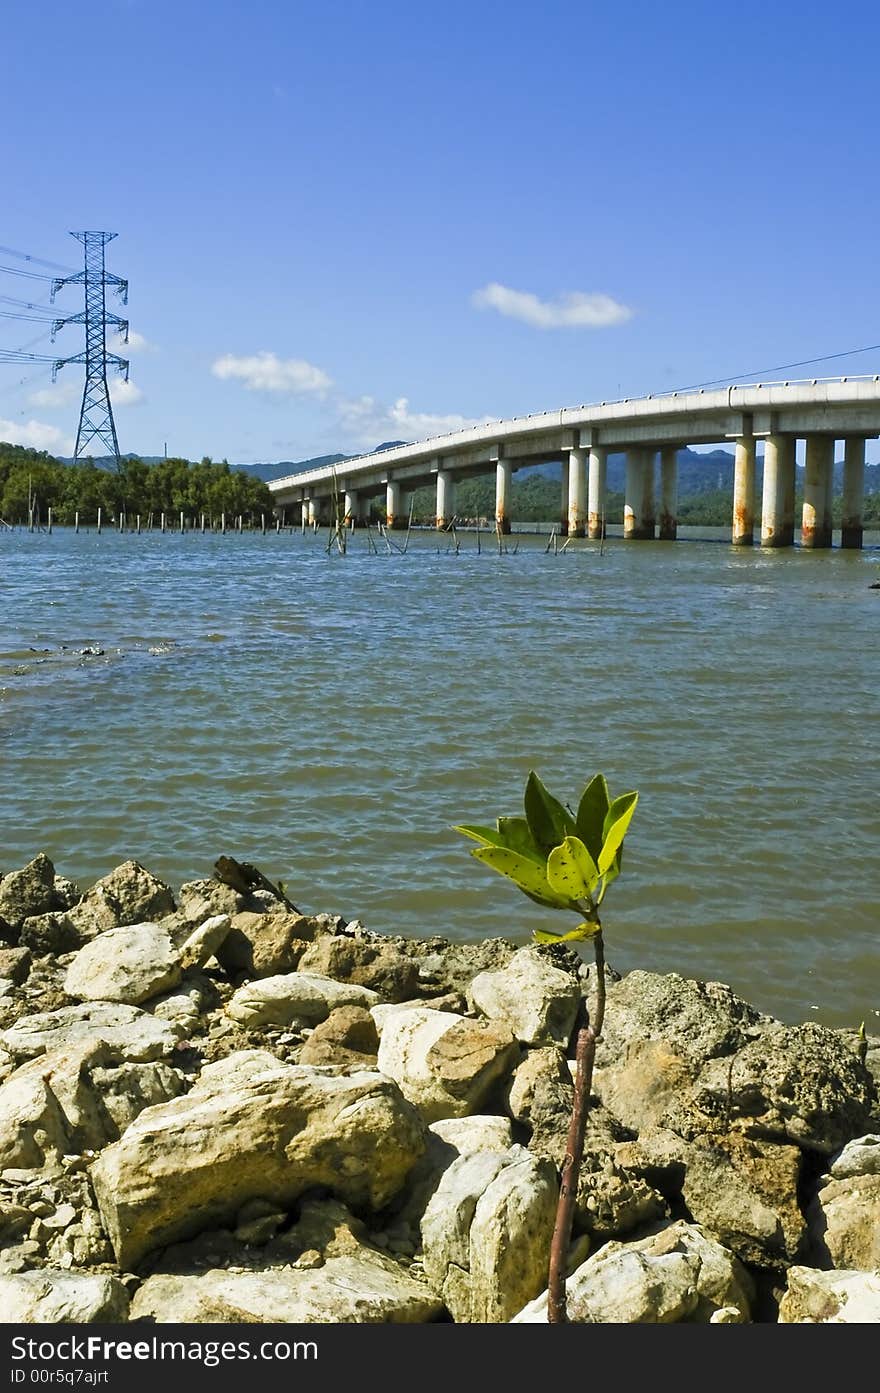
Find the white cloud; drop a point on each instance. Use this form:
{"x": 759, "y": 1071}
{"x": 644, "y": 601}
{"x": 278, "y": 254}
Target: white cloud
{"x": 58, "y": 395}
{"x": 266, "y": 372}
{"x": 367, "y": 422}
{"x": 36, "y": 435}
{"x": 124, "y": 393}
{"x": 574, "y": 310}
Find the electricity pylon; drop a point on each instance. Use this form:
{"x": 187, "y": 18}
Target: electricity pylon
{"x": 96, "y": 413}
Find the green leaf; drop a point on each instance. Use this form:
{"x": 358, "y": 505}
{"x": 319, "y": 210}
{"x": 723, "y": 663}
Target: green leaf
{"x": 549, "y": 821}
{"x": 582, "y": 931}
{"x": 591, "y": 812}
{"x": 489, "y": 836}
{"x": 515, "y": 834}
{"x": 615, "y": 827}
{"x": 529, "y": 875}
{"x": 571, "y": 870}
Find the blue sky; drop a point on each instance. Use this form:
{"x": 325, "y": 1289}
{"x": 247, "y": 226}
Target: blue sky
{"x": 349, "y": 222}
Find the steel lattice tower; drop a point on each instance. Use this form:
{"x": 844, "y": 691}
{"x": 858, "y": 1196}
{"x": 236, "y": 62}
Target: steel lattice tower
{"x": 96, "y": 413}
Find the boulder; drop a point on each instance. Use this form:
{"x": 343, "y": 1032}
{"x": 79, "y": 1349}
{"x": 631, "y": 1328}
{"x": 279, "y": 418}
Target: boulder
{"x": 203, "y": 943}
{"x": 838, "y": 1298}
{"x": 697, "y": 1019}
{"x": 486, "y": 1233}
{"x": 126, "y": 1089}
{"x": 130, "y": 894}
{"x": 46, "y": 934}
{"x": 338, "y": 1277}
{"x": 347, "y": 1036}
{"x": 447, "y": 1140}
{"x": 371, "y": 963}
{"x": 844, "y": 1223}
{"x": 541, "y": 1091}
{"x": 451, "y": 967}
{"x": 15, "y": 964}
{"x": 444, "y": 1063}
{"x": 128, "y": 964}
{"x": 28, "y": 891}
{"x": 252, "y": 1129}
{"x": 859, "y": 1157}
{"x": 745, "y": 1194}
{"x": 676, "y": 1274}
{"x": 132, "y": 1032}
{"x": 204, "y": 899}
{"x": 293, "y": 996}
{"x": 264, "y": 945}
{"x": 538, "y": 1001}
{"x": 49, "y": 1297}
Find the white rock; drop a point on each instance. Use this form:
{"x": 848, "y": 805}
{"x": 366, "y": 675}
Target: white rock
{"x": 858, "y": 1157}
{"x": 128, "y": 964}
{"x": 294, "y": 996}
{"x": 486, "y": 1233}
{"x": 447, "y": 1140}
{"x": 50, "y": 1297}
{"x": 830, "y": 1298}
{"x": 444, "y": 1063}
{"x": 203, "y": 943}
{"x": 537, "y": 1000}
{"x": 135, "y": 1034}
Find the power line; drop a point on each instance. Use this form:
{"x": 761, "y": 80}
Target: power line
{"x": 28, "y": 275}
{"x": 39, "y": 260}
{"x": 782, "y": 367}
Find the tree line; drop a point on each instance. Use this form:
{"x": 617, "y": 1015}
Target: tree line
{"x": 34, "y": 479}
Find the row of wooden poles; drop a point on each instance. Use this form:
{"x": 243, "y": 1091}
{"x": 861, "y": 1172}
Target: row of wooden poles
{"x": 166, "y": 523}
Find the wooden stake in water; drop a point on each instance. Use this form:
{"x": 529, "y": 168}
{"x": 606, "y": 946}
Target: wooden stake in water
{"x": 239, "y": 522}
{"x": 50, "y": 522}
{"x": 99, "y": 522}
{"x": 223, "y": 524}
{"x": 202, "y": 521}
{"x": 182, "y": 528}
{"x": 162, "y": 522}
{"x": 139, "y": 524}
{"x": 76, "y": 522}
{"x": 263, "y": 523}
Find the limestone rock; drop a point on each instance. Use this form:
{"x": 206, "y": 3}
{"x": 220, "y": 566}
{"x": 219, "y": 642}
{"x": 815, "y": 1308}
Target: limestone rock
{"x": 203, "y": 942}
{"x": 838, "y": 1298}
{"x": 15, "y": 964}
{"x": 859, "y": 1157}
{"x": 486, "y": 1233}
{"x": 844, "y": 1223}
{"x": 677, "y": 1274}
{"x": 700, "y": 1019}
{"x": 28, "y": 892}
{"x": 541, "y": 1090}
{"x": 204, "y": 899}
{"x": 795, "y": 1083}
{"x": 367, "y": 962}
{"x": 49, "y": 1297}
{"x": 264, "y": 945}
{"x": 135, "y": 1034}
{"x": 445, "y": 1064}
{"x": 130, "y": 894}
{"x": 451, "y": 967}
{"x": 649, "y": 1078}
{"x": 346, "y": 1280}
{"x": 447, "y": 1140}
{"x": 745, "y": 1193}
{"x": 536, "y": 1000}
{"x": 126, "y": 1089}
{"x": 128, "y": 964}
{"x": 293, "y": 996}
{"x": 53, "y": 933}
{"x": 252, "y": 1130}
{"x": 347, "y": 1036}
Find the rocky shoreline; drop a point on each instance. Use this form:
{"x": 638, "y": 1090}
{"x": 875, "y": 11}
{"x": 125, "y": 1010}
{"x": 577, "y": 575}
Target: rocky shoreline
{"x": 214, "y": 1108}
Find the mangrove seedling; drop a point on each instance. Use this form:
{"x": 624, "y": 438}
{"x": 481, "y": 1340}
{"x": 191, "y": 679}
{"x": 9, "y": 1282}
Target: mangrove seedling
{"x": 565, "y": 860}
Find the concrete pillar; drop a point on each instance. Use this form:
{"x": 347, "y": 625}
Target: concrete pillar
{"x": 638, "y": 507}
{"x": 304, "y": 508}
{"x": 743, "y": 529}
{"x": 350, "y": 507}
{"x": 503, "y": 478}
{"x": 816, "y": 520}
{"x": 853, "y": 492}
{"x": 406, "y": 499}
{"x": 393, "y": 520}
{"x": 563, "y": 506}
{"x": 445, "y": 498}
{"x": 668, "y": 493}
{"x": 777, "y": 500}
{"x": 596, "y": 491}
{"x": 313, "y": 511}
{"x": 577, "y": 493}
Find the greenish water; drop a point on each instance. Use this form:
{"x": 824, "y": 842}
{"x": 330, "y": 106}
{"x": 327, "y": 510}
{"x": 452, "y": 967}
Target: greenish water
{"x": 328, "y": 718}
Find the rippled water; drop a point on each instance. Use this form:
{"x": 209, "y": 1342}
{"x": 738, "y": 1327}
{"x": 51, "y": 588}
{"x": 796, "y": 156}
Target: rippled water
{"x": 328, "y": 718}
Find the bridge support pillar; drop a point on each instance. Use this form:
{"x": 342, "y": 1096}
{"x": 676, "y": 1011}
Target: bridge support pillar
{"x": 638, "y": 507}
{"x": 577, "y": 493}
{"x": 393, "y": 503}
{"x": 853, "y": 492}
{"x": 313, "y": 512}
{"x": 350, "y": 509}
{"x": 818, "y": 482}
{"x": 777, "y": 500}
{"x": 563, "y": 503}
{"x": 743, "y": 529}
{"x": 445, "y": 498}
{"x": 304, "y": 513}
{"x": 668, "y": 493}
{"x": 503, "y": 480}
{"x": 596, "y": 492}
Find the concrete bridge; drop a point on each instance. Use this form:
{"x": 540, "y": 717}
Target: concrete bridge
{"x": 775, "y": 414}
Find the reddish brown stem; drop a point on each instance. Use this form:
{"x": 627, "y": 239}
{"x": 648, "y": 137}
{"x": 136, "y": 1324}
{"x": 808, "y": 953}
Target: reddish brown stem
{"x": 557, "y": 1313}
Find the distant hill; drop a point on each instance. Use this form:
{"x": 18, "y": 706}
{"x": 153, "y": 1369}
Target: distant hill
{"x": 268, "y": 471}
